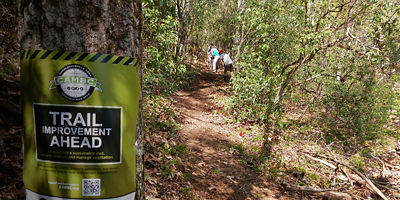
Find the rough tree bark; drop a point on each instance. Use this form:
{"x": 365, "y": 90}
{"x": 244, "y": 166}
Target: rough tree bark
{"x": 102, "y": 26}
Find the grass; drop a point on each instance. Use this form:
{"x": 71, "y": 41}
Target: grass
{"x": 258, "y": 138}
{"x": 273, "y": 172}
{"x": 186, "y": 190}
{"x": 215, "y": 171}
{"x": 166, "y": 171}
{"x": 186, "y": 176}
{"x": 176, "y": 150}
{"x": 174, "y": 162}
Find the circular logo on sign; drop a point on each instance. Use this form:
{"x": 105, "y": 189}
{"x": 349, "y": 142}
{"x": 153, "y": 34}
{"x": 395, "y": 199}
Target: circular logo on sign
{"x": 75, "y": 82}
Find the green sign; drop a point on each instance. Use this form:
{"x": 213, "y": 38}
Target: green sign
{"x": 80, "y": 113}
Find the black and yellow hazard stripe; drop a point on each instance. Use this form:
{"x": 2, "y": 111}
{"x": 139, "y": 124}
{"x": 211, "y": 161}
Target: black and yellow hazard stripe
{"x": 77, "y": 56}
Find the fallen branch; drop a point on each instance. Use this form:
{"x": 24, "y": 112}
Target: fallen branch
{"x": 303, "y": 188}
{"x": 373, "y": 187}
{"x": 331, "y": 166}
{"x": 383, "y": 167}
{"x": 325, "y": 194}
{"x": 321, "y": 161}
{"x": 388, "y": 164}
{"x": 347, "y": 175}
{"x": 385, "y": 185}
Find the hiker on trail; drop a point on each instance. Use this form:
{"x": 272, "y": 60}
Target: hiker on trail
{"x": 210, "y": 55}
{"x": 214, "y": 52}
{"x": 227, "y": 64}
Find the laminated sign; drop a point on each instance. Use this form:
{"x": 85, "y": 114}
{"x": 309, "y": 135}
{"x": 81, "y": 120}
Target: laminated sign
{"x": 80, "y": 113}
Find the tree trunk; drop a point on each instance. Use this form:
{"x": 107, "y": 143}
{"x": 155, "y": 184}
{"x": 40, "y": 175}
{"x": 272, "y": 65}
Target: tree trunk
{"x": 102, "y": 26}
{"x": 178, "y": 30}
{"x": 183, "y": 29}
{"x": 238, "y": 36}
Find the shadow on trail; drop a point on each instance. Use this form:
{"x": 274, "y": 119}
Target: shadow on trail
{"x": 224, "y": 175}
{"x": 205, "y": 79}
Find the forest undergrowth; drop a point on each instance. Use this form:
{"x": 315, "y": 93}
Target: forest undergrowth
{"x": 295, "y": 151}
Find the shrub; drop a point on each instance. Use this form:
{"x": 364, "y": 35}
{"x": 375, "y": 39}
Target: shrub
{"x": 357, "y": 108}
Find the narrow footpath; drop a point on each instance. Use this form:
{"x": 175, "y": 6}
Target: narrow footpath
{"x": 217, "y": 170}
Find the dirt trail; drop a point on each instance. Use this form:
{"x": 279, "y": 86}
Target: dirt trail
{"x": 217, "y": 172}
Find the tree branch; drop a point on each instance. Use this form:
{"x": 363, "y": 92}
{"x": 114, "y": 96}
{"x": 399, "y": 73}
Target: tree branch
{"x": 337, "y": 9}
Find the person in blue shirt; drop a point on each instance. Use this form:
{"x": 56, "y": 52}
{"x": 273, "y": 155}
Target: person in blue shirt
{"x": 214, "y": 52}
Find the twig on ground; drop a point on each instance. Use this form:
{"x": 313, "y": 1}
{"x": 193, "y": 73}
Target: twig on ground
{"x": 321, "y": 161}
{"x": 325, "y": 194}
{"x": 373, "y": 187}
{"x": 347, "y": 175}
{"x": 383, "y": 166}
{"x": 386, "y": 187}
{"x": 329, "y": 150}
{"x": 389, "y": 164}
{"x": 303, "y": 188}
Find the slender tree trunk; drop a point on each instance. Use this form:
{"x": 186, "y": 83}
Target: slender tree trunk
{"x": 238, "y": 38}
{"x": 102, "y": 26}
{"x": 178, "y": 30}
{"x": 185, "y": 28}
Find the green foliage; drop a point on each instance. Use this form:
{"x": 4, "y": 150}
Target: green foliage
{"x": 176, "y": 150}
{"x": 174, "y": 162}
{"x": 213, "y": 21}
{"x": 215, "y": 171}
{"x": 358, "y": 162}
{"x": 162, "y": 74}
{"x": 357, "y": 108}
{"x": 269, "y": 46}
{"x": 186, "y": 190}
{"x": 258, "y": 138}
{"x": 186, "y": 176}
{"x": 166, "y": 171}
{"x": 158, "y": 116}
{"x": 252, "y": 93}
{"x": 273, "y": 172}
{"x": 341, "y": 65}
{"x": 240, "y": 148}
